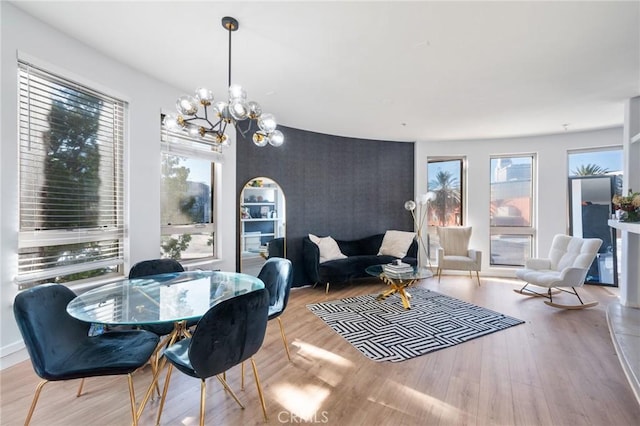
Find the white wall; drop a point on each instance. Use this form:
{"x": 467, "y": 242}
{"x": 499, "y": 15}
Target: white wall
{"x": 146, "y": 98}
{"x": 551, "y": 191}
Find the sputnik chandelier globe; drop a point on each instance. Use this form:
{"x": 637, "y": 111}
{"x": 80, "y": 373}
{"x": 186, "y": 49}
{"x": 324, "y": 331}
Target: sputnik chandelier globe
{"x": 212, "y": 122}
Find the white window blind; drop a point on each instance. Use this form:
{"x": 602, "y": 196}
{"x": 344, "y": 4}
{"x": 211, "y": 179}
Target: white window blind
{"x": 71, "y": 179}
{"x": 183, "y": 145}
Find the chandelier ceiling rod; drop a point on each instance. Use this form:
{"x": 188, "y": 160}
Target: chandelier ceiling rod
{"x": 230, "y": 24}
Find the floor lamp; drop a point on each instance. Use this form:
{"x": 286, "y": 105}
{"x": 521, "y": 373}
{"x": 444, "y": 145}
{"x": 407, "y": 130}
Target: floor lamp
{"x": 419, "y": 212}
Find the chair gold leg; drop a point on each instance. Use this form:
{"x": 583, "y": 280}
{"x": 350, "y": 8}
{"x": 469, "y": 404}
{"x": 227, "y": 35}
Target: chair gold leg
{"x": 172, "y": 338}
{"x": 255, "y": 375}
{"x": 241, "y": 375}
{"x": 439, "y": 274}
{"x": 203, "y": 394}
{"x": 284, "y": 338}
{"x": 154, "y": 361}
{"x": 151, "y": 388}
{"x": 327, "y": 289}
{"x": 228, "y": 389}
{"x": 478, "y": 277}
{"x": 80, "y": 387}
{"x": 164, "y": 393}
{"x": 35, "y": 401}
{"x": 132, "y": 398}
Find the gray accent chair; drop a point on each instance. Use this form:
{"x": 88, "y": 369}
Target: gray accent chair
{"x": 454, "y": 252}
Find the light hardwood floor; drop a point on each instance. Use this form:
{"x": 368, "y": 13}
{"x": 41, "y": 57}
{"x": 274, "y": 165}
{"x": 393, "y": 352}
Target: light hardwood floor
{"x": 559, "y": 368}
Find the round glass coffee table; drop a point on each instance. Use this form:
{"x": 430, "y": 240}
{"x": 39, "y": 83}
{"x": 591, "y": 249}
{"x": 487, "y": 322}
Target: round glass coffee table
{"x": 398, "y": 282}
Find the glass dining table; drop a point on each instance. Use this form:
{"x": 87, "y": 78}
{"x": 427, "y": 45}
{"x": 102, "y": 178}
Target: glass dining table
{"x": 160, "y": 299}
{"x": 164, "y": 298}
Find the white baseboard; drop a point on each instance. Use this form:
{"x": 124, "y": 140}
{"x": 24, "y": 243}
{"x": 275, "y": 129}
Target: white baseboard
{"x": 13, "y": 354}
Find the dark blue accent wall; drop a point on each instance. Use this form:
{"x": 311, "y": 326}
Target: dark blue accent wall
{"x": 344, "y": 187}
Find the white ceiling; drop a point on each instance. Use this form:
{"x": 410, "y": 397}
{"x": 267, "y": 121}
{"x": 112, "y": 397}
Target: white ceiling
{"x": 385, "y": 70}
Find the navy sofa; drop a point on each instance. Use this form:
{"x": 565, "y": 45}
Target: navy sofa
{"x": 360, "y": 254}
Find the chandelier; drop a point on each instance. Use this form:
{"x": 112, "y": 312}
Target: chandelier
{"x": 212, "y": 122}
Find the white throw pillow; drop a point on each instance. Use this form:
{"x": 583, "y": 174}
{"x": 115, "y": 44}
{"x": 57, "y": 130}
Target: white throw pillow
{"x": 329, "y": 249}
{"x": 396, "y": 243}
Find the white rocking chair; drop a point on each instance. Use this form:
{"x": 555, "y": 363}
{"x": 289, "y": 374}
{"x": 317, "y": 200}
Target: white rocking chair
{"x": 566, "y": 267}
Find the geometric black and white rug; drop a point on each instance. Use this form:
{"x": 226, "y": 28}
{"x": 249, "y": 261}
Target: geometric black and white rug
{"x": 384, "y": 331}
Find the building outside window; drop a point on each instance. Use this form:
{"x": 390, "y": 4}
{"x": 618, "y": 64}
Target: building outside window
{"x": 511, "y": 212}
{"x": 187, "y": 197}
{"x": 71, "y": 180}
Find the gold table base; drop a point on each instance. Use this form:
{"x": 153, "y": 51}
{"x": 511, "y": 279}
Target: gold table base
{"x": 398, "y": 286}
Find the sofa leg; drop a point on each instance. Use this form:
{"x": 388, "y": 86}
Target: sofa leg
{"x": 327, "y": 289}
{"x": 439, "y": 273}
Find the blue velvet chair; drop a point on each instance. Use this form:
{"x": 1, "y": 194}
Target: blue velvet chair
{"x": 227, "y": 335}
{"x": 277, "y": 275}
{"x": 61, "y": 349}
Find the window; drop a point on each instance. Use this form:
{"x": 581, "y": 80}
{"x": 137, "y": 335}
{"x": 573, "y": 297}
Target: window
{"x": 595, "y": 175}
{"x": 511, "y": 210}
{"x": 71, "y": 183}
{"x": 595, "y": 162}
{"x": 187, "y": 197}
{"x": 445, "y": 179}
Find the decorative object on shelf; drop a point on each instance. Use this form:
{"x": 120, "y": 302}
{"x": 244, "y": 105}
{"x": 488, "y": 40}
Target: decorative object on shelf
{"x": 214, "y": 121}
{"x": 244, "y": 213}
{"x": 419, "y": 213}
{"x": 627, "y": 206}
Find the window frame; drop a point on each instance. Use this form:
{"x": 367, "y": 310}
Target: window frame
{"x": 433, "y": 240}
{"x": 38, "y": 87}
{"x": 180, "y": 144}
{"x": 525, "y": 231}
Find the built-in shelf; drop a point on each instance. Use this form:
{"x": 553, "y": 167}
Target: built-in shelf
{"x": 258, "y": 235}
{"x": 635, "y": 138}
{"x": 260, "y": 219}
{"x": 625, "y": 226}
